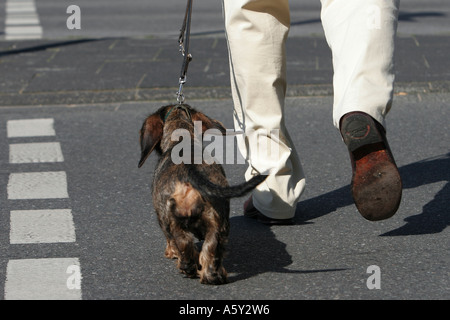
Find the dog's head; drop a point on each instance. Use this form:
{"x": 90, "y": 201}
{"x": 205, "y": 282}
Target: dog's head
{"x": 165, "y": 120}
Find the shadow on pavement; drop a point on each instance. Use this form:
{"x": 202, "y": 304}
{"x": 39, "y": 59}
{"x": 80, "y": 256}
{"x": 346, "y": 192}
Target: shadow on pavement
{"x": 434, "y": 218}
{"x": 412, "y": 16}
{"x": 46, "y": 46}
{"x": 254, "y": 249}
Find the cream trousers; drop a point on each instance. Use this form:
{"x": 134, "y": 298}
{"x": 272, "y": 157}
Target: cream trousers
{"x": 361, "y": 36}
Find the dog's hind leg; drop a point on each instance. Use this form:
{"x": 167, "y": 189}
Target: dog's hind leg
{"x": 211, "y": 257}
{"x": 188, "y": 254}
{"x": 171, "y": 250}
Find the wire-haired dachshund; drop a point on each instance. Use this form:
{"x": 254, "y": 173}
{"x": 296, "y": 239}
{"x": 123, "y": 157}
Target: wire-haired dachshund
{"x": 190, "y": 199}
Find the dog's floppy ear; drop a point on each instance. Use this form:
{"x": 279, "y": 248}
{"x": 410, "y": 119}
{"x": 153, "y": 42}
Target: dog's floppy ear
{"x": 150, "y": 136}
{"x": 208, "y": 123}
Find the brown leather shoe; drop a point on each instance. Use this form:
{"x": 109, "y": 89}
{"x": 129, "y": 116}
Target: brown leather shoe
{"x": 251, "y": 212}
{"x": 376, "y": 182}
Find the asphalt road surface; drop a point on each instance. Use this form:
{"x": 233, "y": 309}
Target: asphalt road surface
{"x": 76, "y": 218}
{"x": 141, "y": 18}
{"x": 119, "y": 247}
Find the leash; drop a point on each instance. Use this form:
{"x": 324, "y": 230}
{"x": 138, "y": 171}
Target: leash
{"x": 183, "y": 42}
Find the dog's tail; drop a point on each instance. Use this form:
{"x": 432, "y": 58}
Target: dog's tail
{"x": 210, "y": 189}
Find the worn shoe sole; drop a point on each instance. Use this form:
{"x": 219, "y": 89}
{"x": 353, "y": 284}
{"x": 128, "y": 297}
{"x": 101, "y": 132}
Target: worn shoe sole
{"x": 376, "y": 181}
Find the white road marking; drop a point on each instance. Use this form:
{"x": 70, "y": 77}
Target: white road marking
{"x": 35, "y": 152}
{"x": 39, "y": 279}
{"x": 41, "y": 226}
{"x": 23, "y": 32}
{"x": 43, "y": 279}
{"x": 22, "y": 20}
{"x": 30, "y": 128}
{"x": 37, "y": 185}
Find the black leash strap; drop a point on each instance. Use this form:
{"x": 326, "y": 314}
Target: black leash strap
{"x": 183, "y": 41}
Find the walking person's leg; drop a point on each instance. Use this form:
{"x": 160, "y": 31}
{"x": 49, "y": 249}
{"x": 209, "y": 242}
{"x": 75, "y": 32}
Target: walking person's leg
{"x": 256, "y": 32}
{"x": 361, "y": 35}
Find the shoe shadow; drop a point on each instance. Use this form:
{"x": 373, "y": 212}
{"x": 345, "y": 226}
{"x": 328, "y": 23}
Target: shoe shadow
{"x": 435, "y": 216}
{"x": 253, "y": 249}
{"x": 324, "y": 204}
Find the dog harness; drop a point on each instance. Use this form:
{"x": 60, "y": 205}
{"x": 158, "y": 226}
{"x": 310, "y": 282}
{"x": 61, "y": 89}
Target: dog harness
{"x": 179, "y": 106}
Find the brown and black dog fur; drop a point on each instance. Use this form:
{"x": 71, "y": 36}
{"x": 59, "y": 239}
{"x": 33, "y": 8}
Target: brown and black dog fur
{"x": 191, "y": 200}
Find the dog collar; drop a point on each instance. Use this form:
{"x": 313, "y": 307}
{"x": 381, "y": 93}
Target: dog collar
{"x": 179, "y": 106}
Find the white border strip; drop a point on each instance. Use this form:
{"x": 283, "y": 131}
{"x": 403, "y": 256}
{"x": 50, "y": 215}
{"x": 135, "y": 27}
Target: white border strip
{"x": 43, "y": 279}
{"x": 22, "y": 20}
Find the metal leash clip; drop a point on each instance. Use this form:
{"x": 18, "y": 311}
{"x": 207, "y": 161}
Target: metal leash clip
{"x": 180, "y": 94}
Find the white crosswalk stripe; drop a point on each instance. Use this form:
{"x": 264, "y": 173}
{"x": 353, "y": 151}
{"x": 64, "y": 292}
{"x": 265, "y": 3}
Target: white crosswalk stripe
{"x": 39, "y": 278}
{"x": 37, "y": 185}
{"x": 43, "y": 279}
{"x": 22, "y": 20}
{"x": 35, "y": 152}
{"x": 30, "y": 128}
{"x": 42, "y": 226}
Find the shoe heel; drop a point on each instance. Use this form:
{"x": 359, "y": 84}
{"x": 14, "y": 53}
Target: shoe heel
{"x": 358, "y": 130}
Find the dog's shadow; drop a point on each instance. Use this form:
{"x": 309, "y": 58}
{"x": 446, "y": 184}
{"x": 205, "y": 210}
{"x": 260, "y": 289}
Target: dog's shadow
{"x": 253, "y": 249}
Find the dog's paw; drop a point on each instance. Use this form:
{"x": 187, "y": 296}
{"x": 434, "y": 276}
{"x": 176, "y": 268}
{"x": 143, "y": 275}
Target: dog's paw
{"x": 214, "y": 277}
{"x": 170, "y": 253}
{"x": 189, "y": 269}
